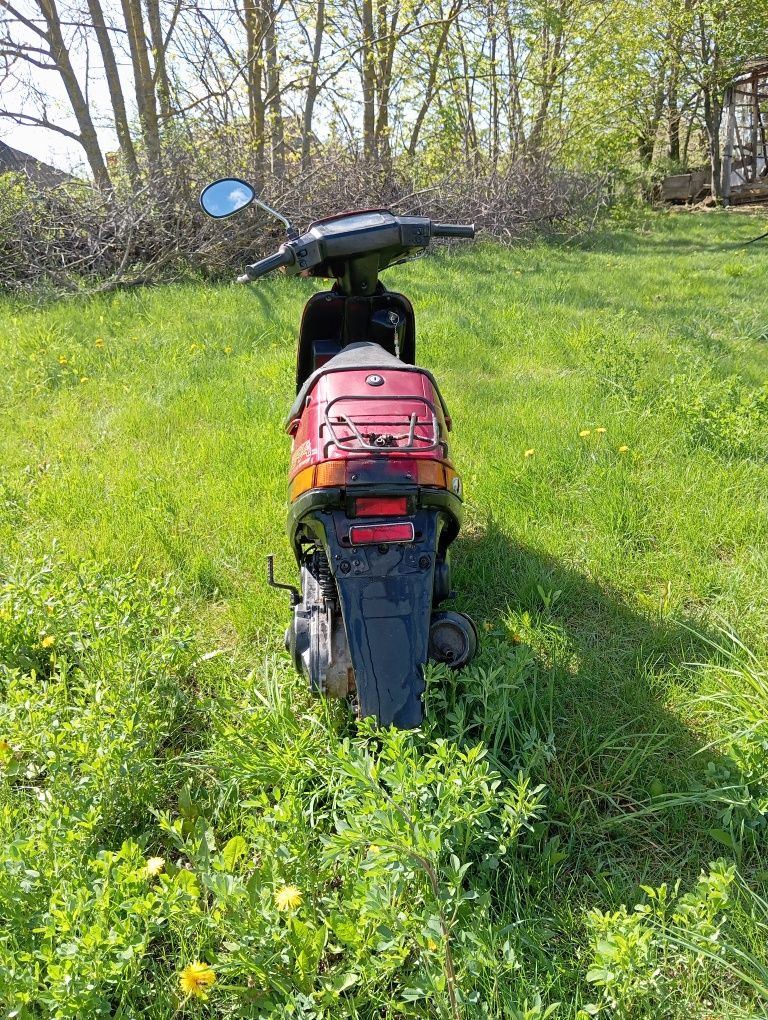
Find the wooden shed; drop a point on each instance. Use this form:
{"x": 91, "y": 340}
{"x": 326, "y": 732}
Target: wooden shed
{"x": 742, "y": 171}
{"x": 744, "y": 126}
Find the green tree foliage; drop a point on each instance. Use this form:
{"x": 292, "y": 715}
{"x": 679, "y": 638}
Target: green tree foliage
{"x": 624, "y": 84}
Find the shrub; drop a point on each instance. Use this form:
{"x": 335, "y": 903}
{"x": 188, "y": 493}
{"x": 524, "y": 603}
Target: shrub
{"x": 91, "y": 671}
{"x": 639, "y": 957}
{"x": 722, "y": 415}
{"x": 73, "y": 236}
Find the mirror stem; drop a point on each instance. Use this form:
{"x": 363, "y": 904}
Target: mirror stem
{"x": 290, "y": 230}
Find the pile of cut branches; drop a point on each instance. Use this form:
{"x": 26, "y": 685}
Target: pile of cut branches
{"x": 74, "y": 236}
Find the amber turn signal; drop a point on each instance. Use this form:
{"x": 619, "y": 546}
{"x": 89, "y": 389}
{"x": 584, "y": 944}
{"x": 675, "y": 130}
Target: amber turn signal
{"x": 324, "y": 476}
{"x": 332, "y": 474}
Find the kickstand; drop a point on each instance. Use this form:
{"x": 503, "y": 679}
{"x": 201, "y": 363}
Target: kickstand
{"x": 294, "y": 594}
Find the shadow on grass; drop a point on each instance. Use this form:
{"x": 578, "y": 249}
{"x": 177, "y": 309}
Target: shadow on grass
{"x": 596, "y": 729}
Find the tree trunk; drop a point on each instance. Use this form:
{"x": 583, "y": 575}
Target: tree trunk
{"x": 254, "y": 30}
{"x": 142, "y": 76}
{"x": 312, "y": 88}
{"x": 471, "y": 144}
{"x": 692, "y": 121}
{"x": 434, "y": 65}
{"x": 387, "y": 43}
{"x": 727, "y": 161}
{"x": 122, "y": 129}
{"x": 710, "y": 93}
{"x": 673, "y": 107}
{"x": 274, "y": 103}
{"x": 712, "y": 114}
{"x": 494, "y": 87}
{"x": 160, "y": 79}
{"x": 550, "y": 70}
{"x": 369, "y": 82}
{"x": 647, "y": 139}
{"x": 516, "y": 137}
{"x": 88, "y": 137}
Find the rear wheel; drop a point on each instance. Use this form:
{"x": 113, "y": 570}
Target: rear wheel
{"x": 452, "y": 639}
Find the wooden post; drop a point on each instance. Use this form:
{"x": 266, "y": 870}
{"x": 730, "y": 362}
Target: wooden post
{"x": 730, "y": 103}
{"x": 764, "y": 147}
{"x": 755, "y": 125}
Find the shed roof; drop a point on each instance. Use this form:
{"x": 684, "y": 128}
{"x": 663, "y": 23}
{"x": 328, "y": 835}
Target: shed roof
{"x": 13, "y": 160}
{"x": 751, "y": 66}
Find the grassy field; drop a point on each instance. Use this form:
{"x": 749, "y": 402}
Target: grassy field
{"x": 580, "y": 827}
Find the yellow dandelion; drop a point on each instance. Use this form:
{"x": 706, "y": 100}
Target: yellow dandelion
{"x": 155, "y": 865}
{"x": 48, "y": 641}
{"x": 373, "y": 849}
{"x": 288, "y": 897}
{"x": 431, "y": 945}
{"x": 227, "y": 349}
{"x": 5, "y": 748}
{"x": 196, "y": 979}
{"x": 99, "y": 342}
{"x": 623, "y": 449}
{"x": 84, "y": 378}
{"x": 585, "y": 432}
{"x": 529, "y": 453}
{"x": 601, "y": 431}
{"x": 63, "y": 360}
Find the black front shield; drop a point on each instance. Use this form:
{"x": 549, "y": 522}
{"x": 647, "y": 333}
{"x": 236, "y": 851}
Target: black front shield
{"x": 385, "y": 593}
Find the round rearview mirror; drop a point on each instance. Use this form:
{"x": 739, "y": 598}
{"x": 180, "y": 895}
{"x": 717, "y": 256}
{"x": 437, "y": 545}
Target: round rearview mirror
{"x": 227, "y": 196}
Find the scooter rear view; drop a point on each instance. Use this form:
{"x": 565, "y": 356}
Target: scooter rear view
{"x": 375, "y": 499}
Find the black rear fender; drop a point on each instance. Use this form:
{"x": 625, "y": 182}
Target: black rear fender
{"x": 385, "y": 594}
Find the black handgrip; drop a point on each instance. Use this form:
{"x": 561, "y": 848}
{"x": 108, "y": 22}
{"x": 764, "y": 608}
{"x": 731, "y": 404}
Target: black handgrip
{"x": 284, "y": 257}
{"x": 453, "y": 230}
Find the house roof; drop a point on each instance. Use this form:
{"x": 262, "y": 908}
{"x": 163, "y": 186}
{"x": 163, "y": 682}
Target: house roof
{"x": 13, "y": 160}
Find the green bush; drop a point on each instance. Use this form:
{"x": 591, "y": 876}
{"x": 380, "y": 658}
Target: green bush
{"x": 723, "y": 415}
{"x": 91, "y": 673}
{"x": 638, "y": 957}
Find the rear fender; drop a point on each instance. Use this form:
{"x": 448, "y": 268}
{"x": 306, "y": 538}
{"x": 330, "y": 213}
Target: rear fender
{"x": 385, "y": 594}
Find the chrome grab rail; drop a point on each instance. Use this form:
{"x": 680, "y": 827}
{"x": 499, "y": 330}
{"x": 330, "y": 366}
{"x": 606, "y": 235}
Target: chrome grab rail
{"x": 413, "y": 442}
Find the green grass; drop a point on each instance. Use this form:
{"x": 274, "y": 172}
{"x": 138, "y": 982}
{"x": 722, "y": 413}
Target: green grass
{"x": 622, "y": 724}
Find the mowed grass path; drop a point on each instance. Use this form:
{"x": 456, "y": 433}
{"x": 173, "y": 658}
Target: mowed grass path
{"x": 611, "y": 428}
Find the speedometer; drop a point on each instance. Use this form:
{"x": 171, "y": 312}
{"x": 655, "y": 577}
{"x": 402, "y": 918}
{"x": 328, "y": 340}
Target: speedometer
{"x": 352, "y": 223}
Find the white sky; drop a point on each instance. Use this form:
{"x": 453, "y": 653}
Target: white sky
{"x": 61, "y": 152}
{"x": 58, "y": 150}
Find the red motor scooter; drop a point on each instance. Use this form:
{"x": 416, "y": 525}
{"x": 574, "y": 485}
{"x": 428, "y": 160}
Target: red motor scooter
{"x": 375, "y": 500}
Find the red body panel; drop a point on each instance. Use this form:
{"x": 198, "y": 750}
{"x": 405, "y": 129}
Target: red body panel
{"x": 342, "y": 399}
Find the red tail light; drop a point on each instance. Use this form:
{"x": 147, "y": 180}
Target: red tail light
{"x": 373, "y": 506}
{"x": 380, "y": 534}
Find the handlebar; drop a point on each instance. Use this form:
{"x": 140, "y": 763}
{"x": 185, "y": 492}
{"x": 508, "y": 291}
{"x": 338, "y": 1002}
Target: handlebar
{"x": 295, "y": 250}
{"x": 453, "y": 230}
{"x": 283, "y": 257}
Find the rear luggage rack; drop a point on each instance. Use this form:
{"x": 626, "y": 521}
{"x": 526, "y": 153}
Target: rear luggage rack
{"x": 385, "y": 442}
